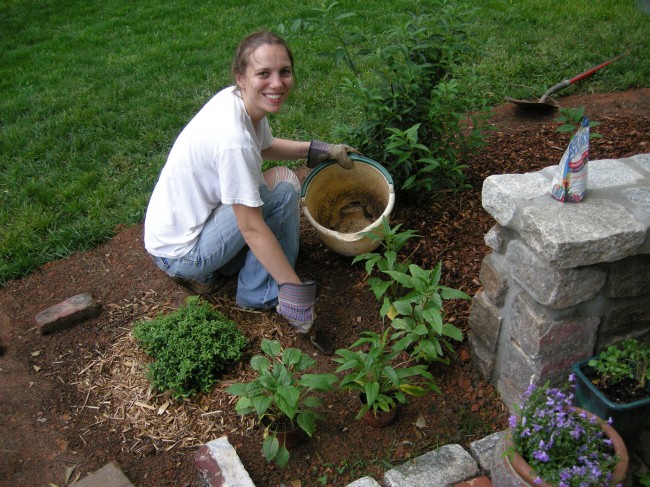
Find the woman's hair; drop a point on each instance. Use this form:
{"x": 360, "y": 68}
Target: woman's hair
{"x": 249, "y": 44}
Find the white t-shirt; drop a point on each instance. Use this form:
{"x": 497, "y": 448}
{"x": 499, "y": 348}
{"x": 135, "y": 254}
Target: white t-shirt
{"x": 215, "y": 160}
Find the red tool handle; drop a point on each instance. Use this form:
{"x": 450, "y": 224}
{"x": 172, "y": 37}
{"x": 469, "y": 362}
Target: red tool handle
{"x": 567, "y": 82}
{"x": 592, "y": 70}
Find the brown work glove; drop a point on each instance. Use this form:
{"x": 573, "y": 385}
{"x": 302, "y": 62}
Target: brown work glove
{"x": 322, "y": 151}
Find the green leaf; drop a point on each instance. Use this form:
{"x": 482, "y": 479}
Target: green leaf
{"x": 262, "y": 404}
{"x": 244, "y": 406}
{"x": 286, "y": 398}
{"x": 452, "y": 332}
{"x": 404, "y": 279}
{"x": 260, "y": 363}
{"x": 449, "y": 293}
{"x": 282, "y": 457}
{"x": 291, "y": 356}
{"x": 271, "y": 347}
{"x": 403, "y": 307}
{"x": 237, "y": 389}
{"x": 307, "y": 421}
{"x": 312, "y": 402}
{"x": 318, "y": 382}
{"x": 371, "y": 390}
{"x": 270, "y": 447}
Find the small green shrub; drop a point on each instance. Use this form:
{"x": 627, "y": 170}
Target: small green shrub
{"x": 570, "y": 120}
{"x": 190, "y": 347}
{"x": 629, "y": 359}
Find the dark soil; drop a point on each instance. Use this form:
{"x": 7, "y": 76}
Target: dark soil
{"x": 76, "y": 399}
{"x": 625, "y": 391}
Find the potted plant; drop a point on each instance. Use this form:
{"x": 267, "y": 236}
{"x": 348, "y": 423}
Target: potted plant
{"x": 616, "y": 384}
{"x": 281, "y": 396}
{"x": 552, "y": 443}
{"x": 377, "y": 375}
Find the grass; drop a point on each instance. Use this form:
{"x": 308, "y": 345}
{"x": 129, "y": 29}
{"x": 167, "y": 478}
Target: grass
{"x": 94, "y": 93}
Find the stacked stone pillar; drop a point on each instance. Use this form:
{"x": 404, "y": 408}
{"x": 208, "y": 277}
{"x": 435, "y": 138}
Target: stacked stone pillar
{"x": 563, "y": 280}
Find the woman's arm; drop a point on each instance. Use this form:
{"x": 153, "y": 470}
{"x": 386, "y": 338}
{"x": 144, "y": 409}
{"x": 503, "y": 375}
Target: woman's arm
{"x": 262, "y": 242}
{"x": 284, "y": 150}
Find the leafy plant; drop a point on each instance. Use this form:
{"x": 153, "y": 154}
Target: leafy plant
{"x": 190, "y": 347}
{"x": 412, "y": 297}
{"x": 570, "y": 120}
{"x": 376, "y": 372}
{"x": 391, "y": 241}
{"x": 414, "y": 97}
{"x": 419, "y": 315}
{"x": 282, "y": 395}
{"x": 564, "y": 447}
{"x": 629, "y": 359}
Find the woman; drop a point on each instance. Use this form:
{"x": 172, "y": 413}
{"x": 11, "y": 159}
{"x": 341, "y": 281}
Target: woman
{"x": 214, "y": 213}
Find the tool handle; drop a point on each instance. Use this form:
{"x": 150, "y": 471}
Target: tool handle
{"x": 567, "y": 82}
{"x": 592, "y": 70}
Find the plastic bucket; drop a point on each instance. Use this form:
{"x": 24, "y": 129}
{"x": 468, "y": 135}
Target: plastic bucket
{"x": 341, "y": 204}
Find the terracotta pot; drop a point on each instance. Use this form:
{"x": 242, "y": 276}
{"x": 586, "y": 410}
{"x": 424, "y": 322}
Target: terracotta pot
{"x": 288, "y": 434}
{"x": 511, "y": 470}
{"x": 379, "y": 419}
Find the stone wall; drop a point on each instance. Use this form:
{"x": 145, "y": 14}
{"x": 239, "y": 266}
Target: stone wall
{"x": 564, "y": 280}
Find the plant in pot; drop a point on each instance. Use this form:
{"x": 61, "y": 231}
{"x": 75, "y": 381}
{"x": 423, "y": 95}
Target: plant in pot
{"x": 552, "y": 443}
{"x": 375, "y": 372}
{"x": 282, "y": 397}
{"x": 616, "y": 384}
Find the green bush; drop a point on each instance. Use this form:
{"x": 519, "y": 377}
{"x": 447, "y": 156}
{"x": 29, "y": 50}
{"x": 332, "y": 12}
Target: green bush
{"x": 422, "y": 111}
{"x": 190, "y": 347}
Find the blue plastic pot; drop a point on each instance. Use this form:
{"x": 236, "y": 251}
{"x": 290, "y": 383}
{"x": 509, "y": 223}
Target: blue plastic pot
{"x": 628, "y": 419}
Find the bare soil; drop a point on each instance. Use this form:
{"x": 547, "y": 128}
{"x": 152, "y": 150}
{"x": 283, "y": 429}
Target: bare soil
{"x": 73, "y": 400}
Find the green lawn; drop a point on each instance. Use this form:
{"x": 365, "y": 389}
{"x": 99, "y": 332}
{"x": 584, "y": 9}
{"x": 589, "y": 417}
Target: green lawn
{"x": 94, "y": 93}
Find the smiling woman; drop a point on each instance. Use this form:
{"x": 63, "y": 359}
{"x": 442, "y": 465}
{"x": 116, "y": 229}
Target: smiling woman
{"x": 215, "y": 213}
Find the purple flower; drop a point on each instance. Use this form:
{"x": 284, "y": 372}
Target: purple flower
{"x": 541, "y": 455}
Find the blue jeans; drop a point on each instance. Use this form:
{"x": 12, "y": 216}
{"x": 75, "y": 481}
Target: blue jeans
{"x": 222, "y": 248}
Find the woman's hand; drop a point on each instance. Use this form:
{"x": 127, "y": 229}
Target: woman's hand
{"x": 322, "y": 151}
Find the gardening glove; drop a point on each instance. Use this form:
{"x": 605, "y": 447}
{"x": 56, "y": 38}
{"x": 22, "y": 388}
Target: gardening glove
{"x": 296, "y": 304}
{"x": 322, "y": 151}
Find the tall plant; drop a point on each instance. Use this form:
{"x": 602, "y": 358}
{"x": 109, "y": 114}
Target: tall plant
{"x": 414, "y": 96}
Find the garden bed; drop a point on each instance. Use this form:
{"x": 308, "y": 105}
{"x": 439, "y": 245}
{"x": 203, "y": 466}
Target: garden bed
{"x": 76, "y": 399}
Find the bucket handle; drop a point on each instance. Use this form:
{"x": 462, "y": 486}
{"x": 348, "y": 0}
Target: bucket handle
{"x": 354, "y": 157}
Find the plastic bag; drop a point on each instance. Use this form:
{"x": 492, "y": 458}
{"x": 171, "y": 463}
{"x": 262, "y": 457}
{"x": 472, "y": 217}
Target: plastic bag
{"x": 570, "y": 180}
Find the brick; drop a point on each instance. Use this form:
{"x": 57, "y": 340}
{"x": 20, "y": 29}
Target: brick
{"x": 547, "y": 338}
{"x": 476, "y": 482}
{"x": 220, "y": 465}
{"x": 67, "y": 313}
{"x": 443, "y": 466}
{"x": 495, "y": 283}
{"x": 110, "y": 475}
{"x": 485, "y": 320}
{"x": 483, "y": 359}
{"x": 552, "y": 287}
{"x": 496, "y": 238}
{"x": 482, "y": 450}
{"x": 364, "y": 482}
{"x": 629, "y": 278}
{"x": 624, "y": 315}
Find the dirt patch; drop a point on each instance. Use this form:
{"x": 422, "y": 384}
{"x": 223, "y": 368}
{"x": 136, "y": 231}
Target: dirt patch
{"x": 74, "y": 400}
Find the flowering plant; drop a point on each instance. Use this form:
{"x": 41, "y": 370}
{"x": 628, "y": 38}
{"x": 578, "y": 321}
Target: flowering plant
{"x": 565, "y": 447}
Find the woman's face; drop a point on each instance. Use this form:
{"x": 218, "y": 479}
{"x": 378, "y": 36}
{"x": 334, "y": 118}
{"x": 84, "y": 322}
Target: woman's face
{"x": 267, "y": 81}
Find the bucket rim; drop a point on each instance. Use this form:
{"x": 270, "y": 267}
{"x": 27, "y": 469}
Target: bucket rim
{"x": 354, "y": 157}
